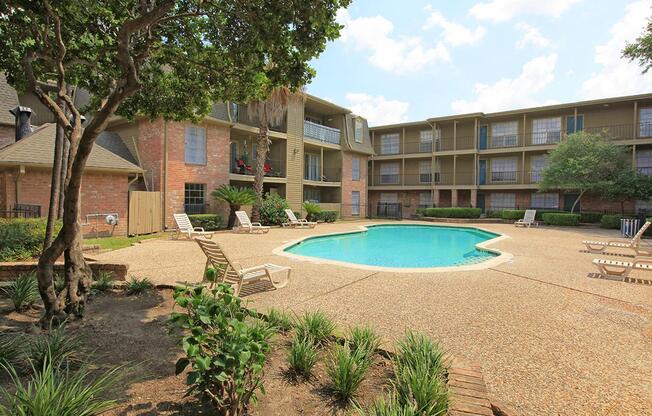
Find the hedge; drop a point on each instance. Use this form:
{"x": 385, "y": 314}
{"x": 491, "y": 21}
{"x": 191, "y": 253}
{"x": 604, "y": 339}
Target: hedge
{"x": 542, "y": 212}
{"x": 495, "y": 214}
{"x": 591, "y": 217}
{"x": 22, "y": 239}
{"x": 324, "y": 216}
{"x": 209, "y": 222}
{"x": 611, "y": 221}
{"x": 453, "y": 212}
{"x": 563, "y": 219}
{"x": 513, "y": 214}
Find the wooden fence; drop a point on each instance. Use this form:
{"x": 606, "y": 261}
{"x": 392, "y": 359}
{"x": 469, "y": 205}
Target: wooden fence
{"x": 144, "y": 212}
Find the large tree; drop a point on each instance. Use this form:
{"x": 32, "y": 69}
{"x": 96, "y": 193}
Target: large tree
{"x": 153, "y": 58}
{"x": 628, "y": 185}
{"x": 641, "y": 49}
{"x": 582, "y": 163}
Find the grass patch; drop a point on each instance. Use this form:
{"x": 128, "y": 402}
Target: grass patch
{"x": 302, "y": 356}
{"x": 115, "y": 243}
{"x": 56, "y": 346}
{"x": 364, "y": 341}
{"x": 23, "y": 291}
{"x": 315, "y": 326}
{"x": 346, "y": 370}
{"x": 136, "y": 286}
{"x": 11, "y": 349}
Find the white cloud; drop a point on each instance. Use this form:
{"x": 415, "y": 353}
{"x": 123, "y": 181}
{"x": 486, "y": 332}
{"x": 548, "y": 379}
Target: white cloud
{"x": 400, "y": 55}
{"x": 510, "y": 93}
{"x": 376, "y": 109}
{"x": 454, "y": 34}
{"x": 504, "y": 10}
{"x": 530, "y": 35}
{"x": 618, "y": 76}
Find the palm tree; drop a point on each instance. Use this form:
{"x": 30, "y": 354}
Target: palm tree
{"x": 235, "y": 197}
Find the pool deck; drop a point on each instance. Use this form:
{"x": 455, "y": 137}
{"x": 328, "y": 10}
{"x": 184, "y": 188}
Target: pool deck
{"x": 550, "y": 336}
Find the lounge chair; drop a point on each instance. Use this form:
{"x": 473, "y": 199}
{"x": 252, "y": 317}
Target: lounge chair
{"x": 621, "y": 269}
{"x": 294, "y": 222}
{"x": 528, "y": 219}
{"x": 247, "y": 226}
{"x": 635, "y": 244}
{"x": 184, "y": 226}
{"x": 233, "y": 273}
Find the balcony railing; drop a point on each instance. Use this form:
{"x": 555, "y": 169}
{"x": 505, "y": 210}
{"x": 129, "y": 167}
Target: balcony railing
{"x": 328, "y": 175}
{"x": 321, "y": 133}
{"x": 427, "y": 179}
{"x": 273, "y": 168}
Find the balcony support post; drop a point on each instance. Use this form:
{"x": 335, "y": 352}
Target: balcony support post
{"x": 403, "y": 141}
{"x": 454, "y": 134}
{"x": 474, "y": 198}
{"x": 454, "y": 169}
{"x": 403, "y": 172}
{"x": 454, "y": 197}
{"x": 435, "y": 197}
{"x": 523, "y": 130}
{"x": 321, "y": 164}
{"x": 475, "y": 133}
{"x": 636, "y": 127}
{"x": 523, "y": 168}
{"x": 373, "y": 172}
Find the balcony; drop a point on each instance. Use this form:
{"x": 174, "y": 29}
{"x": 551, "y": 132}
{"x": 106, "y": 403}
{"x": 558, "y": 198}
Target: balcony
{"x": 515, "y": 177}
{"x": 327, "y": 175}
{"x": 321, "y": 133}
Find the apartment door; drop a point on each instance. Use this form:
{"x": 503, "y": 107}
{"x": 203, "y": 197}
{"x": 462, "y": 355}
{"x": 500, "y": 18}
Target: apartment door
{"x": 479, "y": 202}
{"x": 482, "y": 172}
{"x": 569, "y": 200}
{"x": 484, "y": 132}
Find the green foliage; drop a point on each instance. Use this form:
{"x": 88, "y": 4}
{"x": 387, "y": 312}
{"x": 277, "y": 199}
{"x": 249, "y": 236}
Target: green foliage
{"x": 324, "y": 216}
{"x": 628, "y": 185}
{"x": 315, "y": 326}
{"x": 590, "y": 217}
{"x": 55, "y": 346}
{"x": 235, "y": 197}
{"x": 312, "y": 210}
{"x": 452, "y": 212}
{"x": 209, "y": 222}
{"x": 11, "y": 349}
{"x": 102, "y": 282}
{"x": 562, "y": 219}
{"x": 279, "y": 320}
{"x": 136, "y": 286}
{"x": 302, "y": 356}
{"x": 390, "y": 406}
{"x": 272, "y": 210}
{"x": 23, "y": 291}
{"x": 641, "y": 49}
{"x": 495, "y": 214}
{"x": 22, "y": 239}
{"x": 224, "y": 348}
{"x": 542, "y": 212}
{"x": 364, "y": 341}
{"x": 346, "y": 370}
{"x": 512, "y": 214}
{"x": 611, "y": 222}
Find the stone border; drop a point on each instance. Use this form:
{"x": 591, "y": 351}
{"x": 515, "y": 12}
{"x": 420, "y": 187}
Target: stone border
{"x": 11, "y": 270}
{"x": 501, "y": 257}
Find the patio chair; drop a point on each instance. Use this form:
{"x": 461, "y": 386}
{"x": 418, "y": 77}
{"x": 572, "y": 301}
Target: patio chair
{"x": 184, "y": 226}
{"x": 294, "y": 222}
{"x": 528, "y": 219}
{"x": 620, "y": 270}
{"x": 640, "y": 248}
{"x": 247, "y": 226}
{"x": 233, "y": 273}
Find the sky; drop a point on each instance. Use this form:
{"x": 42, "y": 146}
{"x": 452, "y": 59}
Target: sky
{"x": 408, "y": 60}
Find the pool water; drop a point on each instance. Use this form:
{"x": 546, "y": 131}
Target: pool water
{"x": 402, "y": 246}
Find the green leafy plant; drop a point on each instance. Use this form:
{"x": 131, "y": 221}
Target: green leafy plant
{"x": 452, "y": 212}
{"x": 22, "y": 239}
{"x": 57, "y": 346}
{"x": 561, "y": 219}
{"x": 312, "y": 210}
{"x": 224, "y": 345}
{"x": 279, "y": 320}
{"x": 611, "y": 221}
{"x": 346, "y": 370}
{"x": 11, "y": 348}
{"x": 315, "y": 326}
{"x": 590, "y": 217}
{"x": 364, "y": 341}
{"x": 390, "y": 406}
{"x": 272, "y": 210}
{"x": 235, "y": 197}
{"x": 209, "y": 222}
{"x": 512, "y": 214}
{"x": 325, "y": 216}
{"x": 102, "y": 282}
{"x": 136, "y": 286}
{"x": 23, "y": 291}
{"x": 302, "y": 356}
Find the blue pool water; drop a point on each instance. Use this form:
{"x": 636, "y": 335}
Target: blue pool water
{"x": 404, "y": 246}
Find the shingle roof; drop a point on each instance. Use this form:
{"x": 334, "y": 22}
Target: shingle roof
{"x": 38, "y": 148}
{"x": 8, "y": 100}
{"x": 112, "y": 142}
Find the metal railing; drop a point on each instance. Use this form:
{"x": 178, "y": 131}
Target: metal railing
{"x": 22, "y": 211}
{"x": 387, "y": 210}
{"x": 328, "y": 175}
{"x": 321, "y": 133}
{"x": 273, "y": 168}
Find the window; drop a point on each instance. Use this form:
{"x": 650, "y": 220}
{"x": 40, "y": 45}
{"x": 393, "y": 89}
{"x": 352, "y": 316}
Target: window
{"x": 194, "y": 198}
{"x": 504, "y": 134}
{"x": 645, "y": 120}
{"x": 425, "y": 200}
{"x": 644, "y": 206}
{"x": 502, "y": 200}
{"x": 572, "y": 126}
{"x": 425, "y": 141}
{"x": 359, "y": 128}
{"x": 547, "y": 200}
{"x": 425, "y": 171}
{"x": 389, "y": 173}
{"x": 195, "y": 145}
{"x": 312, "y": 168}
{"x": 537, "y": 163}
{"x": 503, "y": 170}
{"x": 389, "y": 144}
{"x": 546, "y": 130}
{"x": 644, "y": 161}
{"x": 355, "y": 168}
{"x": 311, "y": 195}
{"x": 389, "y": 198}
{"x": 355, "y": 203}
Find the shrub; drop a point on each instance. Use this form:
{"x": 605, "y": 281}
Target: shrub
{"x": 272, "y": 210}
{"x": 453, "y": 212}
{"x": 209, "y": 222}
{"x": 11, "y": 349}
{"x": 279, "y": 320}
{"x": 512, "y": 214}
{"x": 325, "y": 216}
{"x": 60, "y": 348}
{"x": 315, "y": 326}
{"x": 224, "y": 347}
{"x": 495, "y": 214}
{"x": 561, "y": 219}
{"x": 346, "y": 370}
{"x": 590, "y": 217}
{"x": 610, "y": 221}
{"x": 542, "y": 212}
{"x": 311, "y": 210}
{"x": 23, "y": 291}
{"x": 22, "y": 239}
{"x": 302, "y": 356}
{"x": 364, "y": 341}
{"x": 103, "y": 282}
{"x": 136, "y": 286}
{"x": 421, "y": 211}
{"x": 391, "y": 406}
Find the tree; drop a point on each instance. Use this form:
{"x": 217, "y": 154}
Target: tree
{"x": 628, "y": 185}
{"x": 641, "y": 49}
{"x": 582, "y": 163}
{"x": 235, "y": 197}
{"x": 158, "y": 58}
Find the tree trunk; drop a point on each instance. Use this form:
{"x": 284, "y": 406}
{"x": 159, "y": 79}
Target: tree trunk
{"x": 262, "y": 150}
{"x": 78, "y": 276}
{"x": 55, "y": 188}
{"x": 232, "y": 210}
{"x": 577, "y": 201}
{"x": 64, "y": 174}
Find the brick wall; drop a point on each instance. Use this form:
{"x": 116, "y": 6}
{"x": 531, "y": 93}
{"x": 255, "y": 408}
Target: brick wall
{"x": 7, "y": 135}
{"x": 349, "y": 185}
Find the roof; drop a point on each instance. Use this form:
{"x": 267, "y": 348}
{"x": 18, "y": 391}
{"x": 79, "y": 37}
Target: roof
{"x": 37, "y": 149}
{"x": 112, "y": 142}
{"x": 8, "y": 100}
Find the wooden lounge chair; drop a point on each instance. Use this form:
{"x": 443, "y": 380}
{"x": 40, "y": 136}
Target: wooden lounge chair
{"x": 294, "y": 222}
{"x": 528, "y": 219}
{"x": 621, "y": 269}
{"x": 184, "y": 226}
{"x": 247, "y": 226}
{"x": 641, "y": 249}
{"x": 233, "y": 273}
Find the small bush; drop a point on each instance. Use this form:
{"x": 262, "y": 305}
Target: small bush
{"x": 453, "y": 212}
{"x": 312, "y": 210}
{"x": 364, "y": 341}
{"x": 390, "y": 406}
{"x": 590, "y": 217}
{"x": 11, "y": 349}
{"x": 325, "y": 216}
{"x": 542, "y": 212}
{"x": 513, "y": 214}
{"x": 302, "y": 356}
{"x": 495, "y": 214}
{"x": 561, "y": 219}
{"x": 56, "y": 346}
{"x": 209, "y": 222}
{"x": 22, "y": 239}
{"x": 315, "y": 326}
{"x": 279, "y": 320}
{"x": 611, "y": 221}
{"x": 346, "y": 370}
{"x": 23, "y": 291}
{"x": 272, "y": 210}
{"x": 137, "y": 286}
{"x": 103, "y": 282}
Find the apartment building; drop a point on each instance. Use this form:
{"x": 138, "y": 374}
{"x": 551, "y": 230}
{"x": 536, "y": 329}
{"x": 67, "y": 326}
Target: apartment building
{"x": 494, "y": 160}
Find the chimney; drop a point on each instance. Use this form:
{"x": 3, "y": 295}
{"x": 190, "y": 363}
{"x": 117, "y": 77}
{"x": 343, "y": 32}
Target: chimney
{"x": 23, "y": 126}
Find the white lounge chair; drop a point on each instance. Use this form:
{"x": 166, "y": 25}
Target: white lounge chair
{"x": 641, "y": 249}
{"x": 621, "y": 269}
{"x": 247, "y": 226}
{"x": 184, "y": 226}
{"x": 233, "y": 273}
{"x": 528, "y": 219}
{"x": 294, "y": 222}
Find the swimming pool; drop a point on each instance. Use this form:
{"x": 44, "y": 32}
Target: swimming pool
{"x": 400, "y": 246}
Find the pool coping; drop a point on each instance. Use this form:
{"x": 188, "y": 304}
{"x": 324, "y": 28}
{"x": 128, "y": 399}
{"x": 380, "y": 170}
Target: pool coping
{"x": 501, "y": 257}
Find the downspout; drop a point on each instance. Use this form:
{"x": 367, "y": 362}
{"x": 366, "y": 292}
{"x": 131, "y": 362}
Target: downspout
{"x": 21, "y": 173}
{"x": 165, "y": 171}
{"x": 131, "y": 182}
